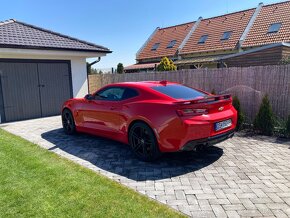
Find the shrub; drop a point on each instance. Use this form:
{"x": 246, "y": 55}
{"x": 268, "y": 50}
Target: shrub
{"x": 241, "y": 116}
{"x": 264, "y": 120}
{"x": 285, "y": 60}
{"x": 166, "y": 65}
{"x": 280, "y": 127}
{"x": 288, "y": 126}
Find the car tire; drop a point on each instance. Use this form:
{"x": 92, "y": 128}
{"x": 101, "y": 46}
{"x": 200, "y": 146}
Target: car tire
{"x": 68, "y": 122}
{"x": 143, "y": 142}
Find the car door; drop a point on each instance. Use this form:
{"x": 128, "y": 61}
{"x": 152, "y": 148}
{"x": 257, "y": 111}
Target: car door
{"x": 102, "y": 112}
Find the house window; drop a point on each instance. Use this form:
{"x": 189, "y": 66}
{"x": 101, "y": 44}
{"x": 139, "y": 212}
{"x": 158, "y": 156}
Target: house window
{"x": 171, "y": 44}
{"x": 226, "y": 35}
{"x": 202, "y": 39}
{"x": 274, "y": 28}
{"x": 155, "y": 46}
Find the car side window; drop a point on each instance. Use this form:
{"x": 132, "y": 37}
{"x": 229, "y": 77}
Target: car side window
{"x": 116, "y": 94}
{"x": 129, "y": 93}
{"x": 110, "y": 94}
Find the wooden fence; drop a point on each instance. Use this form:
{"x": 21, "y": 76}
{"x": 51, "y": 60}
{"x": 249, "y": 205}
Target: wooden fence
{"x": 250, "y": 84}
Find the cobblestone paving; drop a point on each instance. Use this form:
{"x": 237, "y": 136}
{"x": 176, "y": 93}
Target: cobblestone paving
{"x": 241, "y": 177}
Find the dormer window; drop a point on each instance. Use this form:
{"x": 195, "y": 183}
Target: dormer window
{"x": 155, "y": 46}
{"x": 202, "y": 39}
{"x": 274, "y": 27}
{"x": 226, "y": 35}
{"x": 171, "y": 44}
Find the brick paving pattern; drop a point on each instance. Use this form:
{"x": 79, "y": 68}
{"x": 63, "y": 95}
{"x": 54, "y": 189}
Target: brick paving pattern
{"x": 241, "y": 177}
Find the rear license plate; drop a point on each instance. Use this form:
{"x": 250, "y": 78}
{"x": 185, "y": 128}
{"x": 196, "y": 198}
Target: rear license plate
{"x": 222, "y": 125}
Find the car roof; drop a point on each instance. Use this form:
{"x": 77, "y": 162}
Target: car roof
{"x": 145, "y": 86}
{"x": 143, "y": 83}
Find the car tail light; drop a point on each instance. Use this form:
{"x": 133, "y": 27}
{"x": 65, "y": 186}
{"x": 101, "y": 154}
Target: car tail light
{"x": 191, "y": 112}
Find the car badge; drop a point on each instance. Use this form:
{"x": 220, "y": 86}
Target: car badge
{"x": 221, "y": 108}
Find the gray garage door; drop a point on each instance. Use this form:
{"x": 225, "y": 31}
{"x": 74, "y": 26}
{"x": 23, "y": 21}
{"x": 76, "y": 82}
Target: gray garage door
{"x": 32, "y": 90}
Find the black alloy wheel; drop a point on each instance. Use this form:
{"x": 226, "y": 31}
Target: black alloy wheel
{"x": 143, "y": 142}
{"x": 68, "y": 122}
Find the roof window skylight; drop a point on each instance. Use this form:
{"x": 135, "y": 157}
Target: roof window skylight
{"x": 226, "y": 35}
{"x": 155, "y": 46}
{"x": 171, "y": 44}
{"x": 202, "y": 39}
{"x": 274, "y": 27}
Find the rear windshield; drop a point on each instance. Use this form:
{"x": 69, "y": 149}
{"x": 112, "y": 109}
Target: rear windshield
{"x": 179, "y": 92}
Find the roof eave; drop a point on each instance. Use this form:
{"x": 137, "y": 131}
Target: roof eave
{"x": 46, "y": 53}
{"x": 53, "y": 48}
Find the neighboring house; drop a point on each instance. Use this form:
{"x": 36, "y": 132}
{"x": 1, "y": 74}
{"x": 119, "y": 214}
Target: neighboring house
{"x": 214, "y": 38}
{"x": 162, "y": 42}
{"x": 258, "y": 36}
{"x": 40, "y": 69}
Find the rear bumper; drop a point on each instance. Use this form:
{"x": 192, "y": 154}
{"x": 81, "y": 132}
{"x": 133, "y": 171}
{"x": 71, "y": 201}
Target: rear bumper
{"x": 192, "y": 145}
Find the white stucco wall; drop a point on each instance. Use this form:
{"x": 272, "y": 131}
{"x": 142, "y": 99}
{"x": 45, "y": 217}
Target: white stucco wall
{"x": 78, "y": 63}
{"x": 79, "y": 77}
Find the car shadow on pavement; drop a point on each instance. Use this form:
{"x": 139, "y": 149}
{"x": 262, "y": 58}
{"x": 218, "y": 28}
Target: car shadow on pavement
{"x": 118, "y": 158}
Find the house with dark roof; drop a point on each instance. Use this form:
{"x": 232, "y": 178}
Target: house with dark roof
{"x": 257, "y": 36}
{"x": 40, "y": 69}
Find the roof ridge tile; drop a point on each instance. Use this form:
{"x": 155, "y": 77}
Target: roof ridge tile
{"x": 276, "y": 3}
{"x": 231, "y": 13}
{"x": 187, "y": 23}
{"x": 7, "y": 21}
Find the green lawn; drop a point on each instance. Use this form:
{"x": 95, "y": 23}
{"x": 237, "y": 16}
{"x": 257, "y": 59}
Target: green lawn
{"x": 37, "y": 183}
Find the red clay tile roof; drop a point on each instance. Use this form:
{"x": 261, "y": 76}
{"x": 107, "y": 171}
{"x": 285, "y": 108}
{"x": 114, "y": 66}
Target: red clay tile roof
{"x": 141, "y": 66}
{"x": 15, "y": 34}
{"x": 214, "y": 28}
{"x": 269, "y": 14}
{"x": 164, "y": 36}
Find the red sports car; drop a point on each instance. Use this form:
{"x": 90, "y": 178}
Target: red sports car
{"x": 152, "y": 116}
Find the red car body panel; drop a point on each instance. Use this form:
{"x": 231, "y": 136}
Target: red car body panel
{"x": 112, "y": 119}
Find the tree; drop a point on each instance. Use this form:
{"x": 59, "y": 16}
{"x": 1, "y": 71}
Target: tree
{"x": 241, "y": 116}
{"x": 120, "y": 68}
{"x": 91, "y": 70}
{"x": 264, "y": 120}
{"x": 166, "y": 65}
{"x": 94, "y": 71}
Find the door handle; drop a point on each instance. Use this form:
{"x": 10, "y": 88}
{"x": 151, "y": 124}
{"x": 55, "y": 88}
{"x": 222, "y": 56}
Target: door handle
{"x": 112, "y": 108}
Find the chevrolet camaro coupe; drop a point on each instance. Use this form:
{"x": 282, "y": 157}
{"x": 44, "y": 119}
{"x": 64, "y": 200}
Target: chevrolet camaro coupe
{"x": 153, "y": 117}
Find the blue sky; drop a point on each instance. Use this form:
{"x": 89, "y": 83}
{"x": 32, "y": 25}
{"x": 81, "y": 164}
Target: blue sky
{"x": 121, "y": 25}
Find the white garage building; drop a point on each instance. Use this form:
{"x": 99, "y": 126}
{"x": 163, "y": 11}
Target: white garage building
{"x": 40, "y": 69}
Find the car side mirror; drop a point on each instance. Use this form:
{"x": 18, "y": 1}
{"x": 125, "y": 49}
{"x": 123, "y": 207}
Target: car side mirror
{"x": 89, "y": 97}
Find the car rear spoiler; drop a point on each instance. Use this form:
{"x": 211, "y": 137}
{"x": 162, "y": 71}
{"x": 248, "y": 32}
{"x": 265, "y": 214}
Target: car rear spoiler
{"x": 207, "y": 99}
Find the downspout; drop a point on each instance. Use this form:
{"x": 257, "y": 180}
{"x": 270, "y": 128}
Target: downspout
{"x": 94, "y": 62}
{"x": 89, "y": 67}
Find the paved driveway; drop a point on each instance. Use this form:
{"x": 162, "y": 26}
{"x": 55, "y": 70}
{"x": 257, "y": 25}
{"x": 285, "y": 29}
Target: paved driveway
{"x": 244, "y": 176}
